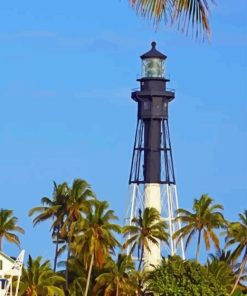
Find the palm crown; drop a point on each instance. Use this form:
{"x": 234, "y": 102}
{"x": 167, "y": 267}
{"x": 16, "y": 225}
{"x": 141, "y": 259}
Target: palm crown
{"x": 117, "y": 277}
{"x": 146, "y": 228}
{"x": 78, "y": 201}
{"x": 8, "y": 225}
{"x": 52, "y": 207}
{"x": 204, "y": 218}
{"x": 96, "y": 233}
{"x": 237, "y": 235}
{"x": 39, "y": 279}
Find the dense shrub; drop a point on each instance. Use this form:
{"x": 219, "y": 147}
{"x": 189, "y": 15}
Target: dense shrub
{"x": 177, "y": 277}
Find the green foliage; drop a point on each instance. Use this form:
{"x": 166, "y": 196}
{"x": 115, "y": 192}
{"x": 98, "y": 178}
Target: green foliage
{"x": 147, "y": 228}
{"x": 65, "y": 207}
{"x": 38, "y": 279}
{"x": 117, "y": 277}
{"x": 237, "y": 235}
{"x": 77, "y": 276}
{"x": 85, "y": 224}
{"x": 96, "y": 234}
{"x": 222, "y": 272}
{"x": 95, "y": 240}
{"x": 8, "y": 225}
{"x": 238, "y": 293}
{"x": 177, "y": 277}
{"x": 203, "y": 220}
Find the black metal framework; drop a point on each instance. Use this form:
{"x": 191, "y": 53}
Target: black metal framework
{"x": 152, "y": 155}
{"x": 142, "y": 166}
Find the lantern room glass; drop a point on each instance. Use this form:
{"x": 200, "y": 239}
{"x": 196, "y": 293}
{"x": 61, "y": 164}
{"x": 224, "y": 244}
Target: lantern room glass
{"x": 153, "y": 67}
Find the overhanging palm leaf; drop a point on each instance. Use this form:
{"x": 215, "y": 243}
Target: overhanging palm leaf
{"x": 188, "y": 14}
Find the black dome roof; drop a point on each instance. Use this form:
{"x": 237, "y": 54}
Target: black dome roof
{"x": 153, "y": 53}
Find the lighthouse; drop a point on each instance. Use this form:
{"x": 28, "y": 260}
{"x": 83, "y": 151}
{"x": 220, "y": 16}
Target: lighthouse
{"x": 152, "y": 180}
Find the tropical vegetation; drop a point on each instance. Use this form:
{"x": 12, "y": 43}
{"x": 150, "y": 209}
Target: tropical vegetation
{"x": 179, "y": 277}
{"x": 97, "y": 264}
{"x": 117, "y": 278}
{"x": 39, "y": 279}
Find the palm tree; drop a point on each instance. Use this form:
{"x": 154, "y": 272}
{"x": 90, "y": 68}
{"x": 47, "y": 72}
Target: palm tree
{"x": 77, "y": 275}
{"x": 237, "y": 234}
{"x": 225, "y": 269}
{"x": 116, "y": 279}
{"x": 38, "y": 279}
{"x": 139, "y": 278}
{"x": 204, "y": 219}
{"x": 53, "y": 208}
{"x": 147, "y": 228}
{"x": 79, "y": 201}
{"x": 220, "y": 265}
{"x": 8, "y": 225}
{"x": 65, "y": 208}
{"x": 188, "y": 13}
{"x": 96, "y": 241}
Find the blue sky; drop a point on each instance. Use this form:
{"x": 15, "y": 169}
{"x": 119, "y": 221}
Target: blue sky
{"x": 67, "y": 70}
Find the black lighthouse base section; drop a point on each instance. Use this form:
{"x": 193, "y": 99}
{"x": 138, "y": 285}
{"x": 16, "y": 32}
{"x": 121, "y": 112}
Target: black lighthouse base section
{"x": 152, "y": 154}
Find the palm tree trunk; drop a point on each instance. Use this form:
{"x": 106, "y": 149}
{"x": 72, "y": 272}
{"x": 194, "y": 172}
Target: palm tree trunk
{"x": 1, "y": 239}
{"x": 140, "y": 262}
{"x": 89, "y": 274}
{"x": 56, "y": 255}
{"x": 198, "y": 245}
{"x": 242, "y": 267}
{"x": 117, "y": 292}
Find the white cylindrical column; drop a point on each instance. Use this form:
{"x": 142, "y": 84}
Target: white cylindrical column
{"x": 152, "y": 198}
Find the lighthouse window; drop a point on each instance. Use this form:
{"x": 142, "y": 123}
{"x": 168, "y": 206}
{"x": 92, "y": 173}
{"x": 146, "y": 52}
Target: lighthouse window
{"x": 146, "y": 105}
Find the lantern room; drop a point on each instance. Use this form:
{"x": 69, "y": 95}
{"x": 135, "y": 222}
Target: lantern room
{"x": 153, "y": 63}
